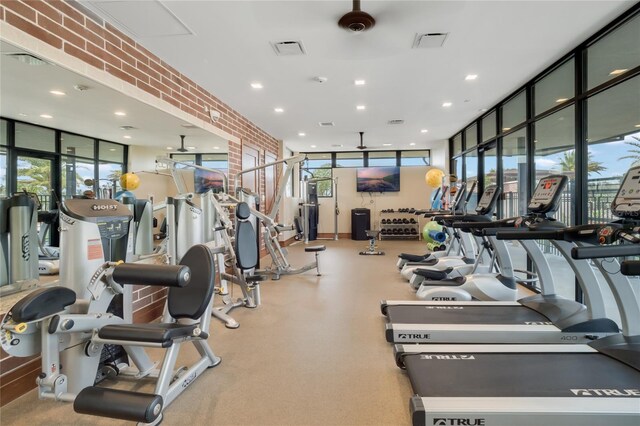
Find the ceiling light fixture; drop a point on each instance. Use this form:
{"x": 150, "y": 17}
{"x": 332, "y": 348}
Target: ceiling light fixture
{"x": 216, "y": 147}
{"x": 471, "y": 77}
{"x": 278, "y": 110}
{"x": 637, "y": 125}
{"x": 302, "y": 134}
{"x": 387, "y": 144}
{"x": 46, "y": 116}
{"x": 256, "y": 85}
{"x": 412, "y": 144}
{"x": 361, "y": 107}
{"x": 169, "y": 148}
{"x": 423, "y": 131}
{"x": 560, "y": 100}
{"x": 447, "y": 104}
{"x": 120, "y": 113}
{"x": 127, "y": 137}
{"x": 57, "y": 92}
{"x": 313, "y": 146}
{"x": 360, "y": 82}
{"x": 618, "y": 71}
{"x": 191, "y": 147}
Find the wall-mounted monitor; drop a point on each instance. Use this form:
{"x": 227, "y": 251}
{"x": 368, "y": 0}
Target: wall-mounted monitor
{"x": 206, "y": 180}
{"x": 378, "y": 179}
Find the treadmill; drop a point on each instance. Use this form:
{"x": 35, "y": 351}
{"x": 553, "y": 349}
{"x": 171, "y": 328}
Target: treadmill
{"x": 542, "y": 318}
{"x": 586, "y": 384}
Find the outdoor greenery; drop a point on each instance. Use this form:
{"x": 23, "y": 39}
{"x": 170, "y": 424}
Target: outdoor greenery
{"x": 568, "y": 163}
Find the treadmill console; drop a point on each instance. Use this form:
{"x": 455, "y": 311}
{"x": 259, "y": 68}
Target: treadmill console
{"x": 488, "y": 200}
{"x": 627, "y": 200}
{"x": 546, "y": 197}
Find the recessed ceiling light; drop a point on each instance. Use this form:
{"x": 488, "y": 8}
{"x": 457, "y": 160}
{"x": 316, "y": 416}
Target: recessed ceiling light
{"x": 46, "y": 116}
{"x": 361, "y": 107}
{"x": 447, "y": 104}
{"x": 57, "y": 92}
{"x": 169, "y": 148}
{"x": 191, "y": 147}
{"x": 22, "y": 114}
{"x": 302, "y": 134}
{"x": 619, "y": 71}
{"x": 423, "y": 131}
{"x": 360, "y": 82}
{"x": 127, "y": 137}
{"x": 506, "y": 129}
{"x": 278, "y": 110}
{"x": 637, "y": 125}
{"x": 256, "y": 85}
{"x": 112, "y": 149}
{"x": 386, "y": 144}
{"x": 216, "y": 147}
{"x": 412, "y": 144}
{"x": 120, "y": 113}
{"x": 313, "y": 146}
{"x": 471, "y": 77}
{"x": 559, "y": 100}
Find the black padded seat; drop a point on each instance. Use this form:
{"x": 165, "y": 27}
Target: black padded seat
{"x": 312, "y": 249}
{"x": 413, "y": 257}
{"x": 41, "y": 303}
{"x": 163, "y": 333}
{"x": 430, "y": 274}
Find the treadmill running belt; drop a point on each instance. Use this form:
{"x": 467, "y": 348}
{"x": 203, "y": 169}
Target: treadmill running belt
{"x": 520, "y": 375}
{"x": 415, "y": 314}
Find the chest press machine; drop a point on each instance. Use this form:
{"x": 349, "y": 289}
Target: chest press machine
{"x": 69, "y": 326}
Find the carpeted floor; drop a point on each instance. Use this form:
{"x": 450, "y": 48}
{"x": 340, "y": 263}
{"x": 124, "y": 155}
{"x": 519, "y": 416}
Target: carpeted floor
{"x": 314, "y": 353}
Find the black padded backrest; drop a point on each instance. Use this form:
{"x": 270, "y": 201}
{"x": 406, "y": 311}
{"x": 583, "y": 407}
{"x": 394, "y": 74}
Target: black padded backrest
{"x": 192, "y": 300}
{"x": 246, "y": 247}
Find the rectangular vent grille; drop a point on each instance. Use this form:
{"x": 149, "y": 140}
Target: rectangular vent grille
{"x": 395, "y": 122}
{"x": 288, "y": 48}
{"x": 26, "y": 58}
{"x": 326, "y": 124}
{"x": 429, "y": 40}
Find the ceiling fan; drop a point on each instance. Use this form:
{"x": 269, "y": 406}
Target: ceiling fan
{"x": 356, "y": 20}
{"x": 362, "y": 146}
{"x": 182, "y": 148}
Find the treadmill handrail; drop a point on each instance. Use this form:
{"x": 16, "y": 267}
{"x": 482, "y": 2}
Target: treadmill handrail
{"x": 605, "y": 251}
{"x": 630, "y": 267}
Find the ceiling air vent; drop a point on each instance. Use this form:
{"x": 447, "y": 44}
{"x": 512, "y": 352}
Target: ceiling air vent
{"x": 26, "y": 58}
{"x": 288, "y": 48}
{"x": 429, "y": 40}
{"x": 395, "y": 122}
{"x": 326, "y": 124}
{"x": 189, "y": 126}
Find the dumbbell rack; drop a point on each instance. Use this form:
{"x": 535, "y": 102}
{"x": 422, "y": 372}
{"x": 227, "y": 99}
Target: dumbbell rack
{"x": 396, "y": 228}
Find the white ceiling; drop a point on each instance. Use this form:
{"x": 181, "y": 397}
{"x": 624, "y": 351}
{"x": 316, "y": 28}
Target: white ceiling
{"x": 24, "y": 96}
{"x": 224, "y": 46}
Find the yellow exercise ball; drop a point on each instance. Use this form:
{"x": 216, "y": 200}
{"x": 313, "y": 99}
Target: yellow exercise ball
{"x": 129, "y": 181}
{"x": 434, "y": 178}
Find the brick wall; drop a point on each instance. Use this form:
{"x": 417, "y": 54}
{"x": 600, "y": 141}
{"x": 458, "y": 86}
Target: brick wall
{"x": 71, "y": 28}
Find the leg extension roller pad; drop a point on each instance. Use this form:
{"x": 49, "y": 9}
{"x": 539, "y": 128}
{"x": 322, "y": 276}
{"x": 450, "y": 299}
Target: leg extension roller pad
{"x": 315, "y": 249}
{"x": 118, "y": 404}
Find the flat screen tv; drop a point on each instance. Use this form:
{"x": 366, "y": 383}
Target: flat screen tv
{"x": 206, "y": 180}
{"x": 378, "y": 179}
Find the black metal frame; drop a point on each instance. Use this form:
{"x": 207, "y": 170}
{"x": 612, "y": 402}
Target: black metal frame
{"x": 579, "y": 100}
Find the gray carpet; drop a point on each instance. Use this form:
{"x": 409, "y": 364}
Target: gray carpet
{"x": 314, "y": 353}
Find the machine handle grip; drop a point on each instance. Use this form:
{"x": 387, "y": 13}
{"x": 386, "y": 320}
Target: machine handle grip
{"x": 630, "y": 267}
{"x": 605, "y": 251}
{"x": 492, "y": 232}
{"x": 477, "y": 225}
{"x": 157, "y": 275}
{"x": 530, "y": 235}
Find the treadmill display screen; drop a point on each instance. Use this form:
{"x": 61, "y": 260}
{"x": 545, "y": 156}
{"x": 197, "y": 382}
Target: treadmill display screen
{"x": 487, "y": 197}
{"x": 627, "y": 201}
{"x": 547, "y": 193}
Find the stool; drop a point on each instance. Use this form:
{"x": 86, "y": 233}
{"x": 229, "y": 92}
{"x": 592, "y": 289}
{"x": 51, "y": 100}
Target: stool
{"x": 315, "y": 250}
{"x": 372, "y": 234}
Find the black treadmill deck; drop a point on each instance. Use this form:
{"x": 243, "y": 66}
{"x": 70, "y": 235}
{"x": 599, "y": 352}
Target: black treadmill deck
{"x": 521, "y": 375}
{"x": 416, "y": 314}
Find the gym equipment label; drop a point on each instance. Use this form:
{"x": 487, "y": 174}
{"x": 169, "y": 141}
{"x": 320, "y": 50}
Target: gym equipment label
{"x": 94, "y": 249}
